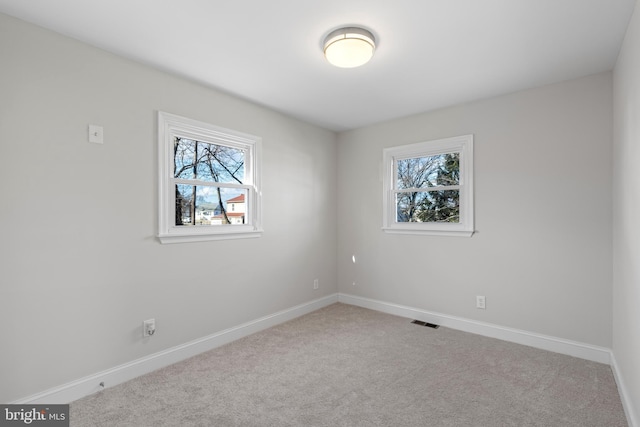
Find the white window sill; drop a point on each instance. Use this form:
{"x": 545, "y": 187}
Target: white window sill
{"x": 419, "y": 232}
{"x": 190, "y": 237}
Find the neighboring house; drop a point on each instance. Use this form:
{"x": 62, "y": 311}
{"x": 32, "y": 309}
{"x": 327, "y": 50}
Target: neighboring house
{"x": 205, "y": 212}
{"x": 236, "y": 204}
{"x": 235, "y": 212}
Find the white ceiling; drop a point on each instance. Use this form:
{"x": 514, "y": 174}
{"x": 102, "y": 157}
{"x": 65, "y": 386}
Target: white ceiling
{"x": 431, "y": 53}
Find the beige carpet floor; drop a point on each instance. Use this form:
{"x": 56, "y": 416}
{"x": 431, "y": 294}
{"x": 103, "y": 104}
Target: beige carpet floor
{"x": 348, "y": 366}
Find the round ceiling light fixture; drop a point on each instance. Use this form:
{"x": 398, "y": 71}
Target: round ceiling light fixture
{"x": 349, "y": 47}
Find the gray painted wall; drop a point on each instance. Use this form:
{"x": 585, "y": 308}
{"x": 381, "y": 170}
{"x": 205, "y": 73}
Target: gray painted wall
{"x": 542, "y": 251}
{"x": 80, "y": 266}
{"x": 626, "y": 208}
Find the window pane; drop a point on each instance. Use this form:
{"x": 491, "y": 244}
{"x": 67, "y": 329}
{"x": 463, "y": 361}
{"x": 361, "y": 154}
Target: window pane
{"x": 432, "y": 171}
{"x": 184, "y": 154}
{"x": 211, "y": 205}
{"x": 208, "y": 162}
{"x": 431, "y": 206}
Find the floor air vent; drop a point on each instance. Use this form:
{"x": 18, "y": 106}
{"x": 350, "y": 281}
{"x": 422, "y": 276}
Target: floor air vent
{"x": 429, "y": 325}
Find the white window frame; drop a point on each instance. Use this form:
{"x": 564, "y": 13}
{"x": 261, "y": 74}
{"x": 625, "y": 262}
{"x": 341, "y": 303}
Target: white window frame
{"x": 459, "y": 144}
{"x": 171, "y": 126}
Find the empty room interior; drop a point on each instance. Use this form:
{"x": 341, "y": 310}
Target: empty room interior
{"x": 181, "y": 176}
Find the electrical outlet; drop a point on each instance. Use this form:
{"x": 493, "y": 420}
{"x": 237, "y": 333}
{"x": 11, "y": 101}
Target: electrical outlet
{"x": 315, "y": 284}
{"x": 480, "y": 302}
{"x": 148, "y": 327}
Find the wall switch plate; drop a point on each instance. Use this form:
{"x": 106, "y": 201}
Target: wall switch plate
{"x": 315, "y": 284}
{"x": 96, "y": 134}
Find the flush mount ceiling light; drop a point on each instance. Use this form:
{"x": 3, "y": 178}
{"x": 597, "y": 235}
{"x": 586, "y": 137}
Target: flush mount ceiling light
{"x": 349, "y": 47}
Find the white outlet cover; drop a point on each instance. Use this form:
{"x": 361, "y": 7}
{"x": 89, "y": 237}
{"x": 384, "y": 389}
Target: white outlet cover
{"x": 480, "y": 302}
{"x": 148, "y": 327}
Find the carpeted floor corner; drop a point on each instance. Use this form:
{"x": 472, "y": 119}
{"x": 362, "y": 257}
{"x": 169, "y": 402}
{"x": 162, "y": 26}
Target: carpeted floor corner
{"x": 348, "y": 366}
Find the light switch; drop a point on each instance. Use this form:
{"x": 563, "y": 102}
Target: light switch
{"x": 96, "y": 134}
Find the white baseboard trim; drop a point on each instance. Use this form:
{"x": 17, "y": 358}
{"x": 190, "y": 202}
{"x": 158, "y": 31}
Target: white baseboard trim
{"x": 82, "y": 387}
{"x": 558, "y": 345}
{"x": 88, "y": 385}
{"x": 632, "y": 417}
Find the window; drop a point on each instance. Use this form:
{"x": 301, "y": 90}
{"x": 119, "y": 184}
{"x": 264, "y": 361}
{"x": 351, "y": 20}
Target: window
{"x": 209, "y": 181}
{"x": 428, "y": 187}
